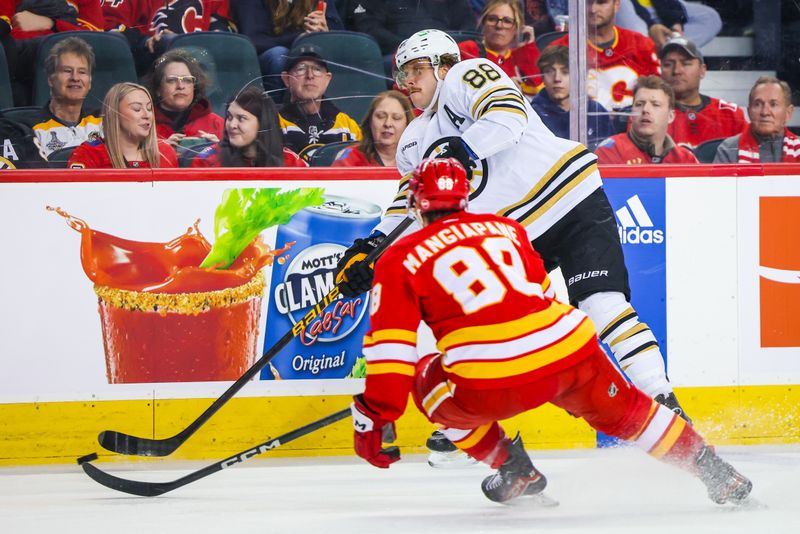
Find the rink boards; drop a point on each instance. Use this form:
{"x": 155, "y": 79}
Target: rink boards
{"x": 709, "y": 248}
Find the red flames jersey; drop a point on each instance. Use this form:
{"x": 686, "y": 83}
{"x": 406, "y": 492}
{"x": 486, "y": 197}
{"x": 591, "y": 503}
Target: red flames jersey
{"x": 620, "y": 149}
{"x": 123, "y": 14}
{"x": 713, "y": 119}
{"x": 93, "y": 155}
{"x": 518, "y": 63}
{"x": 478, "y": 284}
{"x": 89, "y": 18}
{"x": 613, "y": 70}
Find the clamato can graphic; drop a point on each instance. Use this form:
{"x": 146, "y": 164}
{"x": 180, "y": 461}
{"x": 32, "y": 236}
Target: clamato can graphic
{"x": 329, "y": 346}
{"x": 779, "y": 271}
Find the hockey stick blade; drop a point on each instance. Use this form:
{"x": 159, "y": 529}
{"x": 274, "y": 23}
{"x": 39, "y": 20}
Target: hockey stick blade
{"x": 153, "y": 489}
{"x": 122, "y": 443}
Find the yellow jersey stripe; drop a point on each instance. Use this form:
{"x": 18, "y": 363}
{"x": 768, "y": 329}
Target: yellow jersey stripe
{"x": 641, "y": 327}
{"x": 392, "y": 335}
{"x": 613, "y": 323}
{"x": 544, "y": 208}
{"x": 484, "y": 96}
{"x": 435, "y": 398}
{"x": 492, "y": 369}
{"x": 670, "y": 437}
{"x": 474, "y": 437}
{"x": 384, "y": 368}
{"x": 508, "y": 330}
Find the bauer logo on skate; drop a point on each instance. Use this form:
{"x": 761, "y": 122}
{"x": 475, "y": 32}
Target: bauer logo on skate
{"x": 635, "y": 226}
{"x": 309, "y": 278}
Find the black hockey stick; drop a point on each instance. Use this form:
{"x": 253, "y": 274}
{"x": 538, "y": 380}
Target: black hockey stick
{"x": 152, "y": 489}
{"x": 122, "y": 443}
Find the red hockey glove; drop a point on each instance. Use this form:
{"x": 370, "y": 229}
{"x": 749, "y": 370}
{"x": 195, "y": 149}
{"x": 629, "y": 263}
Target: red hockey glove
{"x": 369, "y": 435}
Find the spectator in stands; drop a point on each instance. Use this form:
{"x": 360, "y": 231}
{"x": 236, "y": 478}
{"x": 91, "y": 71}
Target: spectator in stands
{"x": 129, "y": 134}
{"x": 553, "y": 103}
{"x": 385, "y": 121}
{"x": 507, "y": 42}
{"x": 766, "y": 139}
{"x": 20, "y": 147}
{"x": 66, "y": 120}
{"x": 252, "y": 136}
{"x": 150, "y": 25}
{"x": 698, "y": 117}
{"x": 540, "y": 14}
{"x": 661, "y": 19}
{"x": 647, "y": 140}
{"x": 182, "y": 109}
{"x": 25, "y": 23}
{"x": 273, "y": 25}
{"x": 391, "y": 22}
{"x": 616, "y": 56}
{"x": 308, "y": 120}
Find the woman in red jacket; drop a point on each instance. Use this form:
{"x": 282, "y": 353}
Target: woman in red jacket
{"x": 384, "y": 123}
{"x": 252, "y": 136}
{"x": 507, "y": 42}
{"x": 129, "y": 134}
{"x": 182, "y": 109}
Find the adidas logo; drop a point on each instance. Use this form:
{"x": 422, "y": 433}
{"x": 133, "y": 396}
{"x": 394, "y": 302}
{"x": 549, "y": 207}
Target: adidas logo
{"x": 359, "y": 9}
{"x": 635, "y": 225}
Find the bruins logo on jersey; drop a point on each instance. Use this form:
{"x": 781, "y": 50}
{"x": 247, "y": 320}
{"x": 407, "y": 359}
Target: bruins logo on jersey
{"x": 6, "y": 164}
{"x": 480, "y": 172}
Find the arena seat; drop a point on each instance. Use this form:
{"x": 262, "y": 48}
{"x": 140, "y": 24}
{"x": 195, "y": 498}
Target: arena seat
{"x": 229, "y": 59}
{"x": 113, "y": 64}
{"x": 546, "y": 38}
{"x": 705, "y": 151}
{"x": 25, "y": 114}
{"x": 58, "y": 158}
{"x": 6, "y": 100}
{"x": 325, "y": 155}
{"x": 356, "y": 63}
{"x": 465, "y": 35}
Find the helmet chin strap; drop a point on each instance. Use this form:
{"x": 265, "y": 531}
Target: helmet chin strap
{"x": 429, "y": 108}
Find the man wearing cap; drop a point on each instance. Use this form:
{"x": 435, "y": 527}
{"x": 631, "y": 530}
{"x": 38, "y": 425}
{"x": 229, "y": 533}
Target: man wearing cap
{"x": 698, "y": 117}
{"x": 309, "y": 121}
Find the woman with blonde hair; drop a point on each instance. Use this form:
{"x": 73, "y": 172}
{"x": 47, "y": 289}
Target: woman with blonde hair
{"x": 507, "y": 42}
{"x": 385, "y": 121}
{"x": 129, "y": 134}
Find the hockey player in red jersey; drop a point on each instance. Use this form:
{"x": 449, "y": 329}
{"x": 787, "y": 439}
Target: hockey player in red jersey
{"x": 646, "y": 140}
{"x": 616, "y": 57}
{"x": 698, "y": 117}
{"x": 507, "y": 346}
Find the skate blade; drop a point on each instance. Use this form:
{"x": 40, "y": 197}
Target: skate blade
{"x": 539, "y": 500}
{"x": 450, "y": 460}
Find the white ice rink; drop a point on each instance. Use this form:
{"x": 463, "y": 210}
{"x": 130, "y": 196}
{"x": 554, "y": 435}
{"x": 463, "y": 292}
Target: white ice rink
{"x": 600, "y": 491}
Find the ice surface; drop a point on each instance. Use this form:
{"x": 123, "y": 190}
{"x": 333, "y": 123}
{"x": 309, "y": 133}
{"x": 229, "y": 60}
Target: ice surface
{"x": 600, "y": 491}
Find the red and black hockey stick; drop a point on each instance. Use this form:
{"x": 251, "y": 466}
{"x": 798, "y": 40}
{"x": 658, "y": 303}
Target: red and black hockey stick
{"x": 122, "y": 443}
{"x": 152, "y": 489}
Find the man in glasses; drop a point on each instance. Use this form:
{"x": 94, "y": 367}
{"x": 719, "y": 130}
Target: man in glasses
{"x": 519, "y": 169}
{"x": 67, "y": 120}
{"x": 308, "y": 120}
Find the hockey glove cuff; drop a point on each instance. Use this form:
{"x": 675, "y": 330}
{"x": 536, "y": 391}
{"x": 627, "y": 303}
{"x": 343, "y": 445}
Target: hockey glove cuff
{"x": 370, "y": 432}
{"x": 458, "y": 149}
{"x": 353, "y": 275}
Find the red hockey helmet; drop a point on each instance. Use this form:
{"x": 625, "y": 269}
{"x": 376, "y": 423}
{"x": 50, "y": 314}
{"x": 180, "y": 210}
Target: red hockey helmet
{"x": 438, "y": 184}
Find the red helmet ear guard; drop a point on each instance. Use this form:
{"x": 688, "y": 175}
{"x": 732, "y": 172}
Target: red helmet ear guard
{"x": 438, "y": 184}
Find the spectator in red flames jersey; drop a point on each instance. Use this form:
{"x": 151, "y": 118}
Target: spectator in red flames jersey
{"x": 698, "y": 117}
{"x": 647, "y": 140}
{"x": 508, "y": 43}
{"x": 616, "y": 57}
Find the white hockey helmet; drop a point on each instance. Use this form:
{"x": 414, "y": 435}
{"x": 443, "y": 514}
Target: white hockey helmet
{"x": 431, "y": 44}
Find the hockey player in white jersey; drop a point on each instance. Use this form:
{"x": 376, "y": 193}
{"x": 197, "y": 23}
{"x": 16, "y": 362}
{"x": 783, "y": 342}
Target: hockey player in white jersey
{"x": 474, "y": 112}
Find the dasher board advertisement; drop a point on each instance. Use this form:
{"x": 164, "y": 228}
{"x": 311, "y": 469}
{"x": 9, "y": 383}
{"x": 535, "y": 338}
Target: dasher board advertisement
{"x": 66, "y": 337}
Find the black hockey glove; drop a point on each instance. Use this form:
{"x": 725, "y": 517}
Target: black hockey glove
{"x": 456, "y": 148}
{"x": 353, "y": 274}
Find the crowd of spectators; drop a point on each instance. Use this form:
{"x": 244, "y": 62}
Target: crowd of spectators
{"x": 644, "y": 60}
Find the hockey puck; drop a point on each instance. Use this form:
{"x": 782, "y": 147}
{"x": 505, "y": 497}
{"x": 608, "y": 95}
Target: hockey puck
{"x": 88, "y": 458}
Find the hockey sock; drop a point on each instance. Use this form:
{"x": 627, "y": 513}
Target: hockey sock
{"x": 632, "y": 342}
{"x": 486, "y": 443}
{"x": 668, "y": 437}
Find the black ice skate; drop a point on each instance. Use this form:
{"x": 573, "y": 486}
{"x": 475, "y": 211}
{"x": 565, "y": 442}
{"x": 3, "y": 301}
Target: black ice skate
{"x": 724, "y": 483}
{"x": 444, "y": 454}
{"x": 517, "y": 476}
{"x": 672, "y": 403}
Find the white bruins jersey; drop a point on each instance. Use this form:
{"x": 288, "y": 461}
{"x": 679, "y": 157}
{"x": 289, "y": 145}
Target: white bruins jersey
{"x": 525, "y": 172}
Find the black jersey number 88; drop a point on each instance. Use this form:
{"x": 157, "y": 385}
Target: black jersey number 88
{"x": 477, "y": 77}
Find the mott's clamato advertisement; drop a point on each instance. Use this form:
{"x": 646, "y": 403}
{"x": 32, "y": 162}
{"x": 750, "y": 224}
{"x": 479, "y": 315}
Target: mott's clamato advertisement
{"x": 328, "y": 344}
{"x": 779, "y": 271}
{"x": 184, "y": 310}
